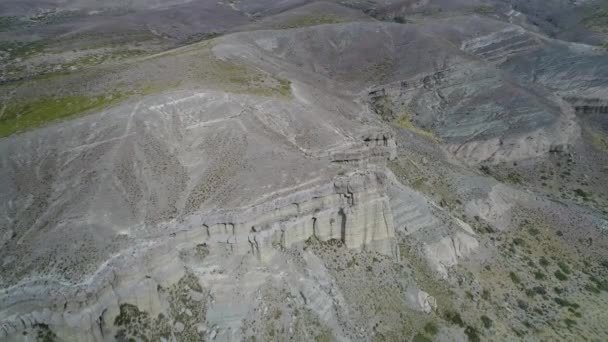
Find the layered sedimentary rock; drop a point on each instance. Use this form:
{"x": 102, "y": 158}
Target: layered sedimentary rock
{"x": 162, "y": 196}
{"x": 353, "y": 208}
{"x": 461, "y": 94}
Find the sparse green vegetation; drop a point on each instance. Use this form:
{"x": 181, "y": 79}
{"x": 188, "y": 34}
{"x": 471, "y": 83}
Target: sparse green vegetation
{"x": 23, "y": 50}
{"x": 598, "y": 21}
{"x": 202, "y": 250}
{"x": 382, "y": 105}
{"x": 401, "y": 20}
{"x": 514, "y": 278}
{"x": 454, "y": 318}
{"x": 309, "y": 20}
{"x": 592, "y": 288}
{"x": 431, "y": 328}
{"x": 472, "y": 334}
{"x": 561, "y": 276}
{"x": 563, "y": 267}
{"x": 569, "y": 322}
{"x": 543, "y": 261}
{"x": 136, "y": 324}
{"x": 600, "y": 284}
{"x": 22, "y": 116}
{"x": 486, "y": 321}
{"x": 8, "y": 23}
{"x": 91, "y": 60}
{"x": 44, "y": 333}
{"x": 405, "y": 121}
{"x": 485, "y": 294}
{"x": 566, "y": 303}
{"x": 514, "y": 178}
{"x": 586, "y": 196}
{"x": 484, "y": 10}
{"x": 421, "y": 338}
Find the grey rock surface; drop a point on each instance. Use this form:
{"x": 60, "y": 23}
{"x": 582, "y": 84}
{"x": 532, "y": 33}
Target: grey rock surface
{"x": 330, "y": 171}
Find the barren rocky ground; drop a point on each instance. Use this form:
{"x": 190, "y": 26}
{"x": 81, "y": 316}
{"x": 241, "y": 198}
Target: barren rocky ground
{"x": 256, "y": 170}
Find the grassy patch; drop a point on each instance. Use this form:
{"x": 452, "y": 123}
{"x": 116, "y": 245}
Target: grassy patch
{"x": 585, "y": 196}
{"x": 486, "y": 321}
{"x": 543, "y": 261}
{"x": 514, "y": 178}
{"x": 431, "y": 328}
{"x": 598, "y": 139}
{"x": 562, "y": 265}
{"x": 472, "y": 334}
{"x": 228, "y": 75}
{"x": 401, "y": 20}
{"x": 405, "y": 121}
{"x": 44, "y": 333}
{"x": 514, "y": 278}
{"x": 597, "y": 22}
{"x": 25, "y": 115}
{"x": 382, "y": 105}
{"x": 309, "y": 20}
{"x": 454, "y": 318}
{"x": 91, "y": 60}
{"x": 484, "y": 10}
{"x": 421, "y": 338}
{"x": 23, "y": 50}
{"x": 560, "y": 275}
{"x": 8, "y": 23}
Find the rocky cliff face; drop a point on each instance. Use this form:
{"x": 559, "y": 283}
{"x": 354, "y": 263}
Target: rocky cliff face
{"x": 145, "y": 281}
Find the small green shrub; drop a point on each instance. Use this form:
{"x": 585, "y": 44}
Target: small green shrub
{"x": 563, "y": 267}
{"x": 486, "y": 321}
{"x": 592, "y": 288}
{"x": 431, "y": 329}
{"x": 543, "y": 261}
{"x": 540, "y": 290}
{"x": 519, "y": 242}
{"x": 486, "y": 294}
{"x": 485, "y": 169}
{"x": 421, "y": 338}
{"x": 44, "y": 333}
{"x": 561, "y": 276}
{"x": 539, "y": 275}
{"x": 472, "y": 334}
{"x": 514, "y": 178}
{"x": 569, "y": 322}
{"x": 584, "y": 195}
{"x": 522, "y": 304}
{"x": 400, "y": 20}
{"x": 514, "y": 277}
{"x": 565, "y": 303}
{"x": 454, "y": 318}
{"x": 484, "y": 10}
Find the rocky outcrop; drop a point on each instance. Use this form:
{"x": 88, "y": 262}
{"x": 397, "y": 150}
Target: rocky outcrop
{"x": 496, "y": 207}
{"x": 584, "y": 106}
{"x": 377, "y": 147}
{"x": 422, "y": 300}
{"x": 445, "y": 253}
{"x": 354, "y": 208}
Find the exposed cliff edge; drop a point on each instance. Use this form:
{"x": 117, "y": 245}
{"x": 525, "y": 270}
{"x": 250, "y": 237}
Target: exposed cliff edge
{"x": 353, "y": 209}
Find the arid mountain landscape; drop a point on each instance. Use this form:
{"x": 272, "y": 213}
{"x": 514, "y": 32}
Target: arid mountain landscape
{"x": 257, "y": 170}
